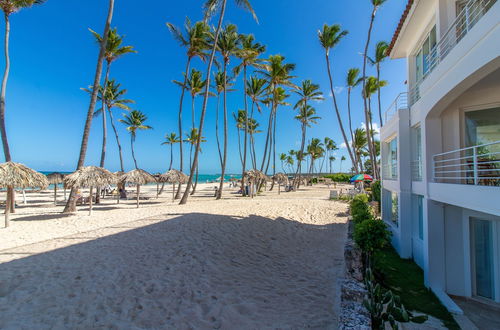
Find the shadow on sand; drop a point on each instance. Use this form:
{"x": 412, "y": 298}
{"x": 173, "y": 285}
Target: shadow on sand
{"x": 194, "y": 271}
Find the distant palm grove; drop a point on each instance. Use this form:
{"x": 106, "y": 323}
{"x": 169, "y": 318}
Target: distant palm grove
{"x": 217, "y": 56}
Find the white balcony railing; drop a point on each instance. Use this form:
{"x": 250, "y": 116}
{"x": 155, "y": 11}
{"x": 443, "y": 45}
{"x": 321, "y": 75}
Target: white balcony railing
{"x": 478, "y": 165}
{"x": 401, "y": 102}
{"x": 471, "y": 13}
{"x": 390, "y": 171}
{"x": 416, "y": 170}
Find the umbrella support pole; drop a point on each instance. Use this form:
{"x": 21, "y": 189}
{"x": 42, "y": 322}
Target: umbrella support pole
{"x": 25, "y": 201}
{"x": 138, "y": 192}
{"x": 55, "y": 194}
{"x": 173, "y": 192}
{"x": 90, "y": 201}
{"x": 7, "y": 209}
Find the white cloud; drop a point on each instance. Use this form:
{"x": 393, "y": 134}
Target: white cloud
{"x": 337, "y": 90}
{"x": 344, "y": 146}
{"x": 375, "y": 126}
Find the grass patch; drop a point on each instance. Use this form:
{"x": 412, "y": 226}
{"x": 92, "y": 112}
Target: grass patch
{"x": 406, "y": 280}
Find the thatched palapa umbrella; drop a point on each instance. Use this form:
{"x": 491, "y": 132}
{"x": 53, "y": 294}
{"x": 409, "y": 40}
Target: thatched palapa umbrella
{"x": 90, "y": 177}
{"x": 174, "y": 177}
{"x": 253, "y": 178}
{"x": 281, "y": 179}
{"x": 55, "y": 179}
{"x": 137, "y": 177}
{"x": 15, "y": 175}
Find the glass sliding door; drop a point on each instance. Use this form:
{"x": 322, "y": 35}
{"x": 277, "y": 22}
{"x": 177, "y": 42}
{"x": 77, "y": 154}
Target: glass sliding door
{"x": 482, "y": 255}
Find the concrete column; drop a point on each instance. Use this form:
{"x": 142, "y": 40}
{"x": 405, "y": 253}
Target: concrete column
{"x": 434, "y": 245}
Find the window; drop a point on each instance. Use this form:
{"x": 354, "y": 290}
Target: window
{"x": 393, "y": 158}
{"x": 390, "y": 206}
{"x": 482, "y": 255}
{"x": 482, "y": 127}
{"x": 425, "y": 58}
{"x": 416, "y": 164}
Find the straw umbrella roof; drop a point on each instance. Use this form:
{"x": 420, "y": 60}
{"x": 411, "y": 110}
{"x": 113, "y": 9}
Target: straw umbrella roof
{"x": 174, "y": 176}
{"x": 55, "y": 178}
{"x": 90, "y": 176}
{"x": 20, "y": 176}
{"x": 137, "y": 176}
{"x": 281, "y": 178}
{"x": 254, "y": 175}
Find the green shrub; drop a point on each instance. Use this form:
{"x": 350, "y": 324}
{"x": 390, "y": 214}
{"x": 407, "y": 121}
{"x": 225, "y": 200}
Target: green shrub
{"x": 376, "y": 191}
{"x": 360, "y": 209}
{"x": 339, "y": 177}
{"x": 371, "y": 236}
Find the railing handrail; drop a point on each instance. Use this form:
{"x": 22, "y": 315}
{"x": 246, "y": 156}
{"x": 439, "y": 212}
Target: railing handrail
{"x": 400, "y": 102}
{"x": 468, "y": 17}
{"x": 467, "y": 148}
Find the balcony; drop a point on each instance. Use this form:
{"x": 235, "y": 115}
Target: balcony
{"x": 400, "y": 103}
{"x": 478, "y": 165}
{"x": 468, "y": 17}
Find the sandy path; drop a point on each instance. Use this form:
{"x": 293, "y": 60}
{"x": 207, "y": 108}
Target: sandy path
{"x": 271, "y": 262}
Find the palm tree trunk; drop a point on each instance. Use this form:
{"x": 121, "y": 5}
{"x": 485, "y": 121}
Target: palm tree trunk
{"x": 120, "y": 152}
{"x": 245, "y": 140}
{"x": 132, "y": 148}
{"x": 71, "y": 204}
{"x": 269, "y": 126}
{"x": 302, "y": 146}
{"x": 181, "y": 165}
{"x": 104, "y": 130}
{"x": 195, "y": 182}
{"x": 368, "y": 133}
{"x": 217, "y": 128}
{"x": 205, "y": 102}
{"x": 346, "y": 140}
{"x": 378, "y": 96}
{"x": 239, "y": 145}
{"x": 5, "y": 142}
{"x": 138, "y": 193}
{"x": 224, "y": 154}
{"x": 171, "y": 155}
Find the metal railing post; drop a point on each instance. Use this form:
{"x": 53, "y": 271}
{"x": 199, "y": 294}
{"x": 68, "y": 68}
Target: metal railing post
{"x": 474, "y": 155}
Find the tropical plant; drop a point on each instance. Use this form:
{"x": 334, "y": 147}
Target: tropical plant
{"x": 315, "y": 151}
{"x": 360, "y": 146}
{"x": 134, "y": 122}
{"x": 240, "y": 119}
{"x": 330, "y": 146}
{"x": 359, "y": 209}
{"x": 113, "y": 51}
{"x": 171, "y": 139}
{"x": 196, "y": 40}
{"x": 306, "y": 117}
{"x": 228, "y": 45}
{"x": 380, "y": 56}
{"x": 211, "y": 7}
{"x": 330, "y": 37}
{"x": 375, "y": 6}
{"x": 331, "y": 159}
{"x": 248, "y": 53}
{"x": 307, "y": 92}
{"x": 341, "y": 160}
{"x": 372, "y": 85}
{"x": 71, "y": 204}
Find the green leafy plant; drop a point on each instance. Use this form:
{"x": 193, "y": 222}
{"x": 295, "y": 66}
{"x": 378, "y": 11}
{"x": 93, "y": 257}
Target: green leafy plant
{"x": 360, "y": 209}
{"x": 371, "y": 236}
{"x": 377, "y": 192}
{"x": 339, "y": 177}
{"x": 386, "y": 307}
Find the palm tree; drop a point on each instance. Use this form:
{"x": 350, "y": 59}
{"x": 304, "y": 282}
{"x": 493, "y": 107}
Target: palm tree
{"x": 353, "y": 80}
{"x": 306, "y": 117}
{"x": 256, "y": 89}
{"x": 307, "y": 92}
{"x": 219, "y": 84}
{"x": 240, "y": 126}
{"x": 114, "y": 50}
{"x": 331, "y": 159}
{"x": 191, "y": 138}
{"x": 113, "y": 99}
{"x": 315, "y": 151}
{"x": 171, "y": 139}
{"x": 329, "y": 38}
{"x": 360, "y": 146}
{"x": 134, "y": 121}
{"x": 277, "y": 73}
{"x": 376, "y": 5}
{"x": 283, "y": 158}
{"x": 341, "y": 160}
{"x": 211, "y": 6}
{"x": 380, "y": 56}
{"x": 228, "y": 45}
{"x": 372, "y": 85}
{"x": 253, "y": 128}
{"x": 195, "y": 85}
{"x": 289, "y": 161}
{"x": 248, "y": 53}
{"x": 71, "y": 204}
{"x": 196, "y": 41}
{"x": 330, "y": 146}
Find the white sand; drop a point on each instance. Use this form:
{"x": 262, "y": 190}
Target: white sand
{"x": 270, "y": 262}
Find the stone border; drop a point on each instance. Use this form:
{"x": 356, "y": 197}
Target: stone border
{"x": 353, "y": 315}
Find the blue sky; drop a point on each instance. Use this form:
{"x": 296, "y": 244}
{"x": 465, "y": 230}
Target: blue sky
{"x": 53, "y": 55}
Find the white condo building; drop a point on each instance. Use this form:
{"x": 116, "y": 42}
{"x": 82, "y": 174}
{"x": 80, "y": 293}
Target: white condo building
{"x": 441, "y": 147}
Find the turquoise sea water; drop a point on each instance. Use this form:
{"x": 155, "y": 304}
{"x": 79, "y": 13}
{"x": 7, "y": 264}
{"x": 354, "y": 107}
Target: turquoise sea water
{"x": 202, "y": 178}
